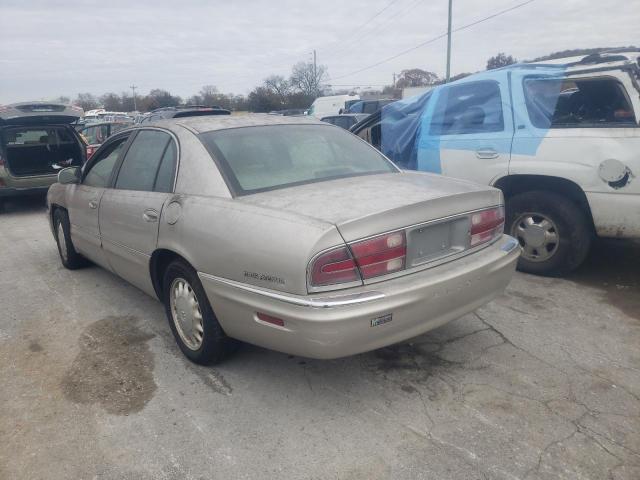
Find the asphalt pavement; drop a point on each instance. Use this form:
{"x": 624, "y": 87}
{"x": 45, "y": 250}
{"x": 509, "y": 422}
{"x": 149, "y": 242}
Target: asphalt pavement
{"x": 542, "y": 383}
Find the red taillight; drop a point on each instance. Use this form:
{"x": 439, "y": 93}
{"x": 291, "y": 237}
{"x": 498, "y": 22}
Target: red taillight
{"x": 90, "y": 151}
{"x": 486, "y": 225}
{"x": 381, "y": 255}
{"x": 334, "y": 266}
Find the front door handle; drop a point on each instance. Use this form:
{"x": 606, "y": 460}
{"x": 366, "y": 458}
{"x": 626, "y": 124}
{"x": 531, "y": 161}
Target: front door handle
{"x": 93, "y": 204}
{"x": 150, "y": 215}
{"x": 486, "y": 153}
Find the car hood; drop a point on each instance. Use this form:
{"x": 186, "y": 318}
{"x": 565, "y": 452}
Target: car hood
{"x": 368, "y": 205}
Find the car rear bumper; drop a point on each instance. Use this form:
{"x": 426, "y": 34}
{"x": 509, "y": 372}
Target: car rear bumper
{"x": 615, "y": 215}
{"x": 364, "y": 318}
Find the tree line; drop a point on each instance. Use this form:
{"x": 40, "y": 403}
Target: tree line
{"x": 276, "y": 92}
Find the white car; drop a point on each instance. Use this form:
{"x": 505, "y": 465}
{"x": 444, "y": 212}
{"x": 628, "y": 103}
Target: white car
{"x": 561, "y": 140}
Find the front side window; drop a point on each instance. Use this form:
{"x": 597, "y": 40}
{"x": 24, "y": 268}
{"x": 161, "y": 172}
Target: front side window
{"x": 468, "y": 108}
{"x": 142, "y": 161}
{"x": 255, "y": 159}
{"x": 101, "y": 167}
{"x": 579, "y": 102}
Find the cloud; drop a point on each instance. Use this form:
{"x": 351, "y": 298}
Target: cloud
{"x": 51, "y": 48}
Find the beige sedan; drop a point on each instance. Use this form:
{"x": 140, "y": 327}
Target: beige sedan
{"x": 283, "y": 232}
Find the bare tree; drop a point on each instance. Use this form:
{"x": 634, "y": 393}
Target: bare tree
{"x": 416, "y": 77}
{"x": 87, "y": 101}
{"x": 279, "y": 86}
{"x": 307, "y": 78}
{"x": 500, "y": 60}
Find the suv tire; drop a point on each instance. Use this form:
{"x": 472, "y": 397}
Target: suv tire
{"x": 68, "y": 255}
{"x": 191, "y": 318}
{"x": 554, "y": 233}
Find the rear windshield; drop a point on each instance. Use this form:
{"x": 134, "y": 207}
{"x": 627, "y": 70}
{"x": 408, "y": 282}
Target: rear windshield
{"x": 256, "y": 159}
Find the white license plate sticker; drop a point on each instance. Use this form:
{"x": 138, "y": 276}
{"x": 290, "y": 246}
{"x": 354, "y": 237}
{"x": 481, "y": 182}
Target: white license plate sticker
{"x": 381, "y": 320}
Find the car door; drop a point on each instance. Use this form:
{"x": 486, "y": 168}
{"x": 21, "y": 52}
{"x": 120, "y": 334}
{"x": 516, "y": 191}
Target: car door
{"x": 83, "y": 200}
{"x": 467, "y": 131}
{"x": 130, "y": 212}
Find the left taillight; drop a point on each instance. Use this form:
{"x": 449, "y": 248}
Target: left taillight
{"x": 486, "y": 225}
{"x": 90, "y": 151}
{"x": 332, "y": 267}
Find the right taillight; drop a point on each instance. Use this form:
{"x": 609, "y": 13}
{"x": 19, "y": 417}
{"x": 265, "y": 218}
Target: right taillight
{"x": 486, "y": 225}
{"x": 381, "y": 255}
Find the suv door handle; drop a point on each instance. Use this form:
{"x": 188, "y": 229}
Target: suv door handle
{"x": 93, "y": 204}
{"x": 150, "y": 215}
{"x": 486, "y": 153}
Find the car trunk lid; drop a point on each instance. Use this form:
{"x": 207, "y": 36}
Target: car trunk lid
{"x": 370, "y": 205}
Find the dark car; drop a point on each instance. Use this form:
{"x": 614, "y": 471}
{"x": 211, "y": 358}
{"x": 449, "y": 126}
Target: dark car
{"x": 181, "y": 112}
{"x": 37, "y": 139}
{"x": 95, "y": 134}
{"x": 368, "y": 106}
{"x": 346, "y": 120}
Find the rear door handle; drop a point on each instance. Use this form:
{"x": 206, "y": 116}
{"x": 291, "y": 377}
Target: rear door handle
{"x": 93, "y": 204}
{"x": 150, "y": 215}
{"x": 486, "y": 153}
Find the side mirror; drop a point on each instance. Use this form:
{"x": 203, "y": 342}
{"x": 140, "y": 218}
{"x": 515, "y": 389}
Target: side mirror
{"x": 69, "y": 175}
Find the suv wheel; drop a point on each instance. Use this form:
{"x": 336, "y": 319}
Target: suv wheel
{"x": 68, "y": 255}
{"x": 554, "y": 233}
{"x": 191, "y": 318}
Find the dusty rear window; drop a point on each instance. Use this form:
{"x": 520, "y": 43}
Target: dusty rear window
{"x": 256, "y": 159}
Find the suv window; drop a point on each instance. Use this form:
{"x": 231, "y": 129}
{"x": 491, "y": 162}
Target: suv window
{"x": 468, "y": 108}
{"x": 142, "y": 161}
{"x": 102, "y": 166}
{"x": 572, "y": 103}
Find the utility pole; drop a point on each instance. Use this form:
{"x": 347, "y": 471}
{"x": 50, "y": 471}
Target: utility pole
{"x": 315, "y": 73}
{"x": 133, "y": 89}
{"x": 394, "y": 80}
{"x": 449, "y": 44}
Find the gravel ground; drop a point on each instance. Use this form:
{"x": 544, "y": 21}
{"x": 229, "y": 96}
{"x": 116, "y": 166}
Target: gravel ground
{"x": 544, "y": 382}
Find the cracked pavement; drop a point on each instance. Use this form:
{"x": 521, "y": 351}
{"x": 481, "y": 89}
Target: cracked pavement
{"x": 542, "y": 383}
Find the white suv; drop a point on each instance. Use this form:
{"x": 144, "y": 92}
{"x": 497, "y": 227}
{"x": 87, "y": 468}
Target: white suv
{"x": 560, "y": 139}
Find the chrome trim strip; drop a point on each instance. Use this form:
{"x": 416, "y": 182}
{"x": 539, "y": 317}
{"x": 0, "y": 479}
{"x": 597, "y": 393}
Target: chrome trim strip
{"x": 321, "y": 302}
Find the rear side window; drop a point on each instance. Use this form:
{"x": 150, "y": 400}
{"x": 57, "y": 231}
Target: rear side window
{"x": 574, "y": 103}
{"x": 143, "y": 160}
{"x": 468, "y": 108}
{"x": 102, "y": 165}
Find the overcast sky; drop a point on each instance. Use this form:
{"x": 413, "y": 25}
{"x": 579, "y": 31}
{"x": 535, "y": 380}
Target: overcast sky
{"x": 52, "y": 48}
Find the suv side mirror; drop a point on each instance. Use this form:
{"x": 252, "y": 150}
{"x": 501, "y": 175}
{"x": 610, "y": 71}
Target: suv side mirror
{"x": 69, "y": 175}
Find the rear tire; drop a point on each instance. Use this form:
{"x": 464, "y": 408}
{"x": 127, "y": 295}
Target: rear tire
{"x": 191, "y": 318}
{"x": 68, "y": 255}
{"x": 554, "y": 233}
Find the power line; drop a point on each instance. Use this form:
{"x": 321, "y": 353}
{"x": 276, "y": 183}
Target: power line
{"x": 345, "y": 46}
{"x": 431, "y": 40}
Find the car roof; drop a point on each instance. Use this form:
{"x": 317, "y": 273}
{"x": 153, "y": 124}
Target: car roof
{"x": 223, "y": 122}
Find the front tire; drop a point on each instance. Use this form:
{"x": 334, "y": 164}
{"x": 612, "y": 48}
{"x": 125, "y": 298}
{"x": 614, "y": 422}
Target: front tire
{"x": 554, "y": 232}
{"x": 191, "y": 318}
{"x": 69, "y": 257}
